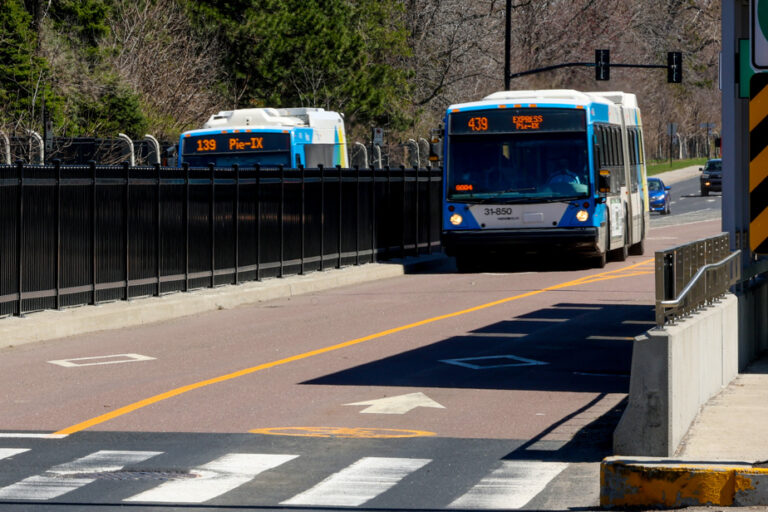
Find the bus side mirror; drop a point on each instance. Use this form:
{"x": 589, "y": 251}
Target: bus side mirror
{"x": 604, "y": 182}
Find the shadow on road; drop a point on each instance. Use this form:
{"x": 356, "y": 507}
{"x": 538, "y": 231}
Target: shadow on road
{"x": 568, "y": 347}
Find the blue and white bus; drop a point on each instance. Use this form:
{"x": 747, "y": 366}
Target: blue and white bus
{"x": 543, "y": 171}
{"x": 290, "y": 137}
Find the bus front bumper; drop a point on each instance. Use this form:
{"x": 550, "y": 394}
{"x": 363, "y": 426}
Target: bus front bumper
{"x": 581, "y": 240}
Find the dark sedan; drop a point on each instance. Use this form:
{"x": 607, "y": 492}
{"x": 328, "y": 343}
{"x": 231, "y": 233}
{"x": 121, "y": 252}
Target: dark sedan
{"x": 711, "y": 178}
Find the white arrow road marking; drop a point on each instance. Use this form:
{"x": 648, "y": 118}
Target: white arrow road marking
{"x": 67, "y": 477}
{"x": 512, "y": 485}
{"x": 358, "y": 483}
{"x": 398, "y": 404}
{"x": 216, "y": 478}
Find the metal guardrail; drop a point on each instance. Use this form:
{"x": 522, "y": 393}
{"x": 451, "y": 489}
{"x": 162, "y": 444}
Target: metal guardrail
{"x": 693, "y": 275}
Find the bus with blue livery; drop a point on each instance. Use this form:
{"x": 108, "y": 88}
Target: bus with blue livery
{"x": 544, "y": 172}
{"x": 288, "y": 137}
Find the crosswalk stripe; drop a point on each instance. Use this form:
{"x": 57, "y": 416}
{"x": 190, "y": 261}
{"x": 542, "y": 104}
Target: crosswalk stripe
{"x": 215, "y": 478}
{"x": 512, "y": 485}
{"x": 67, "y": 477}
{"x": 358, "y": 483}
{"x": 10, "y": 452}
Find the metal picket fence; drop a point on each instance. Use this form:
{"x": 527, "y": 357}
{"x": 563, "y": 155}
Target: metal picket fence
{"x": 693, "y": 275}
{"x": 74, "y": 235}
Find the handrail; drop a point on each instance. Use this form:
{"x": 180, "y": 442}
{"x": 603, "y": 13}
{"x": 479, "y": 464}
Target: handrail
{"x": 694, "y": 279}
{"x": 693, "y": 275}
{"x": 712, "y": 291}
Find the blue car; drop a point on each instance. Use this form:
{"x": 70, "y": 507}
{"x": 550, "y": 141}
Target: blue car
{"x": 658, "y": 195}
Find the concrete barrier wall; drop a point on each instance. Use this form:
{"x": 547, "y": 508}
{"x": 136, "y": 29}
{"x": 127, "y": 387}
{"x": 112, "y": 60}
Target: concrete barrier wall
{"x": 675, "y": 371}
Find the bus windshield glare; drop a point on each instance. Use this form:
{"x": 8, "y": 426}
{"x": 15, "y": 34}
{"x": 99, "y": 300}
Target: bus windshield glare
{"x": 517, "y": 167}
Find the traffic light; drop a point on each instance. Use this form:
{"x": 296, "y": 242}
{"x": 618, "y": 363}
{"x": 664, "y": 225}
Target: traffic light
{"x": 674, "y": 67}
{"x": 602, "y": 65}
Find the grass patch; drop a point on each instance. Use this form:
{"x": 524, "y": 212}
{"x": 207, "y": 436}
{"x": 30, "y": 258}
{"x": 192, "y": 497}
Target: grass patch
{"x": 659, "y": 166}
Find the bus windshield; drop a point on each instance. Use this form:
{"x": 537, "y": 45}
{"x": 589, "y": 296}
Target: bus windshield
{"x": 517, "y": 167}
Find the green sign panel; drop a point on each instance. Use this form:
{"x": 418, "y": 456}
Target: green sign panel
{"x": 745, "y": 68}
{"x": 759, "y": 34}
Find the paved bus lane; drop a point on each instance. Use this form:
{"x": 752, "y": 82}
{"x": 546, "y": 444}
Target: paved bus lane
{"x": 483, "y": 372}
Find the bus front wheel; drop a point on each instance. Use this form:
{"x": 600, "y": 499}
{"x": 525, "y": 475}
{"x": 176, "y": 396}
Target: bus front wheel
{"x": 465, "y": 263}
{"x": 599, "y": 260}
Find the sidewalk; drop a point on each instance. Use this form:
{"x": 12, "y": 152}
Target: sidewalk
{"x": 678, "y": 175}
{"x": 52, "y": 324}
{"x": 723, "y": 460}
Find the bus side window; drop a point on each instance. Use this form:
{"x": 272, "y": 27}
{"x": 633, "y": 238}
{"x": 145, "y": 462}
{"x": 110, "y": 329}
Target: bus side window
{"x": 598, "y": 149}
{"x": 619, "y": 147}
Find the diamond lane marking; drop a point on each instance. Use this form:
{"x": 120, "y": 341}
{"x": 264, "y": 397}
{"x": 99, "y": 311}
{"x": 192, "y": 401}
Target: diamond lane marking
{"x": 520, "y": 361}
{"x": 99, "y": 360}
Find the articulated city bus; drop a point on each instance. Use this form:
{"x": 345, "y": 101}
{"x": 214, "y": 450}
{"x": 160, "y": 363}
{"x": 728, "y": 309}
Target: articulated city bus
{"x": 544, "y": 171}
{"x": 268, "y": 137}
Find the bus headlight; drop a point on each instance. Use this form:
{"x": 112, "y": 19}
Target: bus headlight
{"x": 456, "y": 219}
{"x": 582, "y": 215}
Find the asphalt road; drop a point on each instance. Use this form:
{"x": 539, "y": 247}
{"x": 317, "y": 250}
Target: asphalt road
{"x": 433, "y": 391}
{"x": 688, "y": 205}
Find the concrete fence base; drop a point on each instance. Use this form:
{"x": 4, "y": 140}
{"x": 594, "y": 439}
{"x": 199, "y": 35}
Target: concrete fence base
{"x": 675, "y": 371}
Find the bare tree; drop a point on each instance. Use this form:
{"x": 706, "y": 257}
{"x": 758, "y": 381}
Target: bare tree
{"x": 155, "y": 49}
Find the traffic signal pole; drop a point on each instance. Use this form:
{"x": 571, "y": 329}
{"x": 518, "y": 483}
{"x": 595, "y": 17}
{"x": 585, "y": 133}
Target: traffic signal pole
{"x": 674, "y": 67}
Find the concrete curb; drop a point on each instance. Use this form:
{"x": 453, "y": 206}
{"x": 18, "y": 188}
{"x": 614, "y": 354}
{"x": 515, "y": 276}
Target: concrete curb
{"x": 654, "y": 482}
{"x": 53, "y": 324}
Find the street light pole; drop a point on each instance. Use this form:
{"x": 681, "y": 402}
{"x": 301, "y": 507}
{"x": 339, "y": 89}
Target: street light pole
{"x": 507, "y": 36}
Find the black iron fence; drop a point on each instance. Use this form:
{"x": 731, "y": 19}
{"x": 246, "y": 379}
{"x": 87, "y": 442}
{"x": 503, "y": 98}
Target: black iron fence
{"x": 75, "y": 235}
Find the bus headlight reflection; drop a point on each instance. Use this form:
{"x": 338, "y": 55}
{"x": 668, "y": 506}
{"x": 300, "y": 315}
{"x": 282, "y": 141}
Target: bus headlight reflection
{"x": 456, "y": 219}
{"x": 582, "y": 215}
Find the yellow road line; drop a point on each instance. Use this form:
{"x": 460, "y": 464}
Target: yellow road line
{"x": 612, "y": 274}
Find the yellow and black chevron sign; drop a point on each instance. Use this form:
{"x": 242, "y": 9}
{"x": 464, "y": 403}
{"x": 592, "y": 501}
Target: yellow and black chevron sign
{"x": 758, "y": 163}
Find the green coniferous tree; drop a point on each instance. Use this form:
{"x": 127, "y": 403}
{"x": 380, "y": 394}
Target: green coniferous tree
{"x": 333, "y": 54}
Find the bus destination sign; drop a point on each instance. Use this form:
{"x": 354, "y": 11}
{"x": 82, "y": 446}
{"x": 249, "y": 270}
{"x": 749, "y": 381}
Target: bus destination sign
{"x": 518, "y": 120}
{"x": 236, "y": 143}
